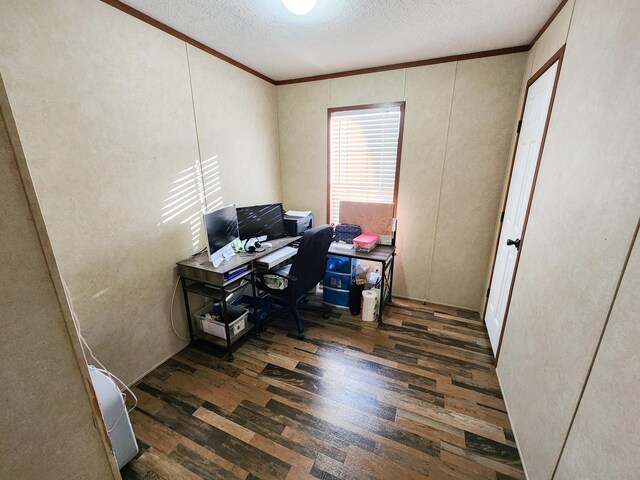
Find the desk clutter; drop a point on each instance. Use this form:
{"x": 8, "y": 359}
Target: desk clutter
{"x": 252, "y": 247}
{"x": 359, "y": 269}
{"x": 209, "y": 319}
{"x": 240, "y": 316}
{"x": 345, "y": 282}
{"x": 240, "y": 258}
{"x": 346, "y": 232}
{"x": 366, "y": 242}
{"x": 232, "y": 230}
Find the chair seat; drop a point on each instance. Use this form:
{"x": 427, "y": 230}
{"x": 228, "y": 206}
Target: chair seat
{"x": 306, "y": 271}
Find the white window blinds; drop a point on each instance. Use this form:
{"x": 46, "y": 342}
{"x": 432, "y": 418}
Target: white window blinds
{"x": 363, "y": 156}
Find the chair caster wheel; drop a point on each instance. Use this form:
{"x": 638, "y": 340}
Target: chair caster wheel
{"x": 301, "y": 336}
{"x": 230, "y": 358}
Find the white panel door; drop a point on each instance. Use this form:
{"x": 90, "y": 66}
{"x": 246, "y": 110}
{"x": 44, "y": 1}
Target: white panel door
{"x": 524, "y": 167}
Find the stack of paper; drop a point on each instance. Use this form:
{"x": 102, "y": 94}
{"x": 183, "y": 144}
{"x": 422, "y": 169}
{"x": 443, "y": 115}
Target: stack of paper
{"x": 298, "y": 213}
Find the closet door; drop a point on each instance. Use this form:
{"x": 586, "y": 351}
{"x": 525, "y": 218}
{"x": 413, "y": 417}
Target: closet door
{"x": 525, "y": 167}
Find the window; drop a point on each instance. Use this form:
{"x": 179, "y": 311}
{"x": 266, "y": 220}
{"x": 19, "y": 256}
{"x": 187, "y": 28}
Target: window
{"x": 364, "y": 155}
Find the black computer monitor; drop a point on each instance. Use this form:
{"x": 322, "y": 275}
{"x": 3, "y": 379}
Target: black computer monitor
{"x": 261, "y": 220}
{"x": 222, "y": 230}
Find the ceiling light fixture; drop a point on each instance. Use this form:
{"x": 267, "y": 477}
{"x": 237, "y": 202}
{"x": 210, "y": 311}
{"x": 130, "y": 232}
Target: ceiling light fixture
{"x": 299, "y": 7}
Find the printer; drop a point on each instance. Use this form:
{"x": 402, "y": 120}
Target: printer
{"x": 297, "y": 225}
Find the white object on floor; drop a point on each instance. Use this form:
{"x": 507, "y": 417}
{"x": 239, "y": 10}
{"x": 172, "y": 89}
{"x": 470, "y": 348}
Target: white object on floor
{"x": 115, "y": 415}
{"x": 369, "y": 305}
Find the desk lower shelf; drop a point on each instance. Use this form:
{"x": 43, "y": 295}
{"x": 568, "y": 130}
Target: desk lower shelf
{"x": 216, "y": 292}
{"x": 222, "y": 342}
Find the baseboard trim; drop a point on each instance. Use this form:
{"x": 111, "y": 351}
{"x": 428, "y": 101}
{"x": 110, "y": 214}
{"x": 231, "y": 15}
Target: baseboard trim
{"x": 408, "y": 298}
{"x": 471, "y": 309}
{"x": 157, "y": 365}
{"x": 425, "y": 301}
{"x": 515, "y": 435}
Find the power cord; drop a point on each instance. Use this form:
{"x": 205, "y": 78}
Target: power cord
{"x": 173, "y": 325}
{"x": 84, "y": 345}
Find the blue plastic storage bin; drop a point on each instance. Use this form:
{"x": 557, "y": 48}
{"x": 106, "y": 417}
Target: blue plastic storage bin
{"x": 336, "y": 264}
{"x": 340, "y": 281}
{"x": 338, "y": 298}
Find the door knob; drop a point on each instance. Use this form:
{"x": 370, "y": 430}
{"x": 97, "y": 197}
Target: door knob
{"x": 515, "y": 242}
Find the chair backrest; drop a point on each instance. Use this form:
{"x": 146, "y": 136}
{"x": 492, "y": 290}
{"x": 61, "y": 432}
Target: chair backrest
{"x": 310, "y": 262}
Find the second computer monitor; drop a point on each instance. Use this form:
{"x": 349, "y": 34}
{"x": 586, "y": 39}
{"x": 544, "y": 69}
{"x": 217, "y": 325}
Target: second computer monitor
{"x": 261, "y": 220}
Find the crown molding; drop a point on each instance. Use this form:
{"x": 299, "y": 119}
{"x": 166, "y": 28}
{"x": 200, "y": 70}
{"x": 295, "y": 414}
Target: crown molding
{"x": 347, "y": 73}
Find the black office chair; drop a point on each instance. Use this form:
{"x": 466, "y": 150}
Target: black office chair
{"x": 306, "y": 272}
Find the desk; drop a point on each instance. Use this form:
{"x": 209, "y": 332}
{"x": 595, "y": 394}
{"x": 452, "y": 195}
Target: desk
{"x": 382, "y": 254}
{"x": 198, "y": 276}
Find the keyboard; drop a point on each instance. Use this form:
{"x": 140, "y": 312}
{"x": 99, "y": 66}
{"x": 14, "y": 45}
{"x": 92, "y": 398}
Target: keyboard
{"x": 274, "y": 258}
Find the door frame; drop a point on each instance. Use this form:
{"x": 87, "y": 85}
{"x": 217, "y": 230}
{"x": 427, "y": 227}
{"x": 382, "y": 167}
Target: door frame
{"x": 557, "y": 57}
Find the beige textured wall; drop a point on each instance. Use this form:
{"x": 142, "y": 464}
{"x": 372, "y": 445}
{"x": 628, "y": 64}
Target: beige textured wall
{"x": 237, "y": 126}
{"x": 604, "y": 440}
{"x": 553, "y": 38}
{"x": 482, "y": 122}
{"x": 581, "y": 226}
{"x": 429, "y": 89}
{"x": 103, "y": 103}
{"x": 302, "y": 134}
{"x": 46, "y": 419}
{"x": 477, "y": 163}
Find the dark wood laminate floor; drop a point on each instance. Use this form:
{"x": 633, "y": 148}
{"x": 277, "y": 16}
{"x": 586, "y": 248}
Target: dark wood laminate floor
{"x": 415, "y": 397}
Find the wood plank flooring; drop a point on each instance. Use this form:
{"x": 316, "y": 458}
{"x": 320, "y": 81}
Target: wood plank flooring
{"x": 415, "y": 397}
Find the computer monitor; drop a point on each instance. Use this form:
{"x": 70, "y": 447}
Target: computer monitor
{"x": 222, "y": 230}
{"x": 260, "y": 221}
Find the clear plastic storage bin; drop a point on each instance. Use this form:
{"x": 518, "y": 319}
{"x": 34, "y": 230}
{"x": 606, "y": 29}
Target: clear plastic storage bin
{"x": 237, "y": 314}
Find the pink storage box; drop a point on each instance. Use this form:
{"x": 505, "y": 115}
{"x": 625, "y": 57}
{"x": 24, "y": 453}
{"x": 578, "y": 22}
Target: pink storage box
{"x": 366, "y": 242}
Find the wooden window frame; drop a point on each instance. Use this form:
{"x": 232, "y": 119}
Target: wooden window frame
{"x": 398, "y": 155}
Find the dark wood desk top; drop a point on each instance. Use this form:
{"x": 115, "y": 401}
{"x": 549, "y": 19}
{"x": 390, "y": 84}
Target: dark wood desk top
{"x": 201, "y": 269}
{"x": 381, "y": 253}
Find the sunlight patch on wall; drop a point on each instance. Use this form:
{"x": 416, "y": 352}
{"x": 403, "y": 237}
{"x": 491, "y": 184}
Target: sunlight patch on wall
{"x": 197, "y": 189}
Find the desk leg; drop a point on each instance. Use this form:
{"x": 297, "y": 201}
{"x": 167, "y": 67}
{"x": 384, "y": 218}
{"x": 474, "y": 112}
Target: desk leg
{"x": 383, "y": 296}
{"x": 393, "y": 262}
{"x": 183, "y": 281}
{"x": 257, "y": 326}
{"x": 226, "y": 325}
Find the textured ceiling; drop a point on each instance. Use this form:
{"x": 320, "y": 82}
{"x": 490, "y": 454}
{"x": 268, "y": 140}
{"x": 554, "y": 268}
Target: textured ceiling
{"x": 341, "y": 35}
